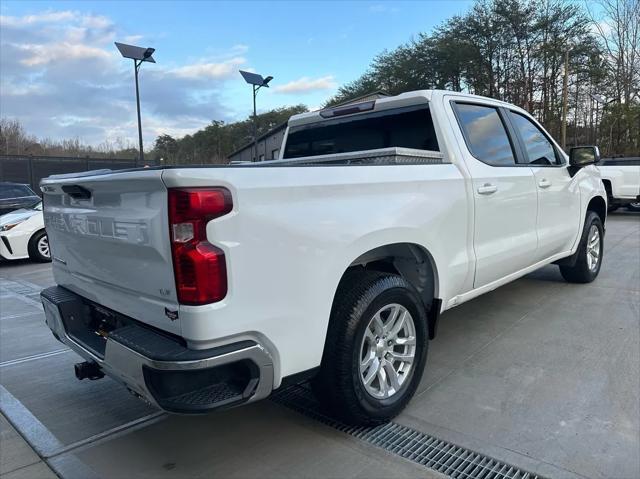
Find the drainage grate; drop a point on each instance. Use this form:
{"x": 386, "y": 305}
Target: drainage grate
{"x": 441, "y": 456}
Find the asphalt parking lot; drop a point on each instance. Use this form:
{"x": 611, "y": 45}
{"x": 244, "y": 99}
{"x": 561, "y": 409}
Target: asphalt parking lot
{"x": 540, "y": 374}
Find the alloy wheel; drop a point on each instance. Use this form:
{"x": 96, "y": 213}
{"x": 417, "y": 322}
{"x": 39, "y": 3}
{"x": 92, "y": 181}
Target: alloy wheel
{"x": 593, "y": 248}
{"x": 43, "y": 246}
{"x": 387, "y": 351}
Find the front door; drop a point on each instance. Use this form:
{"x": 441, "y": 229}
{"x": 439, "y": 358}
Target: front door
{"x": 558, "y": 195}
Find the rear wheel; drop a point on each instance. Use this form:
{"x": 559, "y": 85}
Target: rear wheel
{"x": 589, "y": 254}
{"x": 376, "y": 348}
{"x": 39, "y": 247}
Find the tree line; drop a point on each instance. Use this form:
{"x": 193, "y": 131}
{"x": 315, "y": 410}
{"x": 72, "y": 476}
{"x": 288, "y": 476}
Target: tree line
{"x": 14, "y": 140}
{"x": 212, "y": 144}
{"x": 215, "y": 142}
{"x": 518, "y": 51}
{"x": 566, "y": 63}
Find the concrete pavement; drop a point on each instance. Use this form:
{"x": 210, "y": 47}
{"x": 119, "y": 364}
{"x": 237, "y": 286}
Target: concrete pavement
{"x": 540, "y": 374}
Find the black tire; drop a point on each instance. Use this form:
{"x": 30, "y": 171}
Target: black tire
{"x": 34, "y": 252}
{"x": 611, "y": 204}
{"x": 580, "y": 272}
{"x": 361, "y": 294}
{"x": 633, "y": 206}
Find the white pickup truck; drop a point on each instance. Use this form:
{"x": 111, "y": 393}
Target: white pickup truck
{"x": 621, "y": 178}
{"x": 201, "y": 288}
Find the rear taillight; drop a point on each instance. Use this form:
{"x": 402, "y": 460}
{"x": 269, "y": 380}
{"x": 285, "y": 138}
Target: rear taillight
{"x": 199, "y": 267}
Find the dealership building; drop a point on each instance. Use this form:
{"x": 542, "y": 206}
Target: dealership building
{"x": 270, "y": 143}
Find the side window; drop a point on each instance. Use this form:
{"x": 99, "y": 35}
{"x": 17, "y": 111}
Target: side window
{"x": 485, "y": 134}
{"x": 539, "y": 149}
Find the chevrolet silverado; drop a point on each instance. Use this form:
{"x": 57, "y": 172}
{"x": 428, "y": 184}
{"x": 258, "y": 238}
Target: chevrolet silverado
{"x": 206, "y": 287}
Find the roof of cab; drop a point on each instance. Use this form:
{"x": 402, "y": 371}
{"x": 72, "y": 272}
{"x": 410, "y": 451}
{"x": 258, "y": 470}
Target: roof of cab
{"x": 404, "y": 99}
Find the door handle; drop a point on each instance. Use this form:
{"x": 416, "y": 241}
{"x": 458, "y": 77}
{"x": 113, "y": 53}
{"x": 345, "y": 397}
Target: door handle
{"x": 544, "y": 183}
{"x": 487, "y": 189}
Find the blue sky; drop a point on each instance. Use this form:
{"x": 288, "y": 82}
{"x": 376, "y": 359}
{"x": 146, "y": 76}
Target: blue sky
{"x": 63, "y": 78}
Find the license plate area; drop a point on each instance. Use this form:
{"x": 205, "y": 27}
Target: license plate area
{"x": 84, "y": 328}
{"x": 85, "y": 323}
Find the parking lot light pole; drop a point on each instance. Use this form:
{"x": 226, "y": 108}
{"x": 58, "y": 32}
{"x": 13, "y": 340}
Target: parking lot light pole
{"x": 136, "y": 67}
{"x": 257, "y": 82}
{"x": 138, "y": 55}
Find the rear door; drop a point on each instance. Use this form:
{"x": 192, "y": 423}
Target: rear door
{"x": 504, "y": 193}
{"x": 558, "y": 193}
{"x": 109, "y": 238}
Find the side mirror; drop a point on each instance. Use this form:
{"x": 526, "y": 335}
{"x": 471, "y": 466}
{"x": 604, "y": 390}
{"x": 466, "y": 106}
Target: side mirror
{"x": 580, "y": 156}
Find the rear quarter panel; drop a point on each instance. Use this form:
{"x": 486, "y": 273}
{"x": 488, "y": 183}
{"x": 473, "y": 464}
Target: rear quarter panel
{"x": 625, "y": 180}
{"x": 295, "y": 230}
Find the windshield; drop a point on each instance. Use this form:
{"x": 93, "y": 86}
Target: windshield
{"x": 38, "y": 206}
{"x": 15, "y": 191}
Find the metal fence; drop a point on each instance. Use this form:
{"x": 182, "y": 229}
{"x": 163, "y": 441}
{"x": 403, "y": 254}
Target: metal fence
{"x": 31, "y": 169}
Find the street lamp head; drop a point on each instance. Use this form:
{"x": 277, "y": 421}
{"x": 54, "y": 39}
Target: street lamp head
{"x": 255, "y": 79}
{"x": 257, "y": 82}
{"x": 136, "y": 53}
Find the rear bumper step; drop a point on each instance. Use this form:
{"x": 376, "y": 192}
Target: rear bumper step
{"x": 154, "y": 365}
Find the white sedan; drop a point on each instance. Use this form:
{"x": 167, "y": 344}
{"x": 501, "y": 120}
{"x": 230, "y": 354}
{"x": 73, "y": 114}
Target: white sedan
{"x": 22, "y": 235}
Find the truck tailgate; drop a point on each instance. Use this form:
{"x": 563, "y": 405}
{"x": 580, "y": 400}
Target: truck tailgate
{"x": 109, "y": 234}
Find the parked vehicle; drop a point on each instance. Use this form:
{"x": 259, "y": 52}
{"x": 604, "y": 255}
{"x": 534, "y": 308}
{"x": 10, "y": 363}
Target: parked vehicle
{"x": 201, "y": 288}
{"x": 22, "y": 235}
{"x": 14, "y": 196}
{"x": 621, "y": 178}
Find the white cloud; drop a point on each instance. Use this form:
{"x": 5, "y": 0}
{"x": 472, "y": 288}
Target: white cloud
{"x": 306, "y": 85}
{"x": 382, "y": 8}
{"x": 56, "y": 17}
{"x": 54, "y": 52}
{"x": 129, "y": 39}
{"x": 239, "y": 49}
{"x": 95, "y": 21}
{"x": 602, "y": 28}
{"x": 44, "y": 17}
{"x": 62, "y": 77}
{"x": 208, "y": 70}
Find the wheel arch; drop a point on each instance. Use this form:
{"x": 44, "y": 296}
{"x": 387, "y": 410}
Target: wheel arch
{"x": 31, "y": 243}
{"x": 411, "y": 261}
{"x": 39, "y": 230}
{"x": 598, "y": 205}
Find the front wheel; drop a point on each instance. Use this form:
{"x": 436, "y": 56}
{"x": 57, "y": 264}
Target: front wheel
{"x": 589, "y": 254}
{"x": 634, "y": 206}
{"x": 39, "y": 247}
{"x": 375, "y": 350}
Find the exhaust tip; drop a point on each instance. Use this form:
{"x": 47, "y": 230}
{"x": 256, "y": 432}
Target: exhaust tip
{"x": 88, "y": 370}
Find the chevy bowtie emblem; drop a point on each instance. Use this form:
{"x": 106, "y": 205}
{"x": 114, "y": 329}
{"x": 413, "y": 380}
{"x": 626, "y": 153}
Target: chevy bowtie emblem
{"x": 172, "y": 315}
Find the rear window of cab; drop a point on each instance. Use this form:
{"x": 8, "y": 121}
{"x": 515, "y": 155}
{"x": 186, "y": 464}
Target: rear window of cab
{"x": 409, "y": 127}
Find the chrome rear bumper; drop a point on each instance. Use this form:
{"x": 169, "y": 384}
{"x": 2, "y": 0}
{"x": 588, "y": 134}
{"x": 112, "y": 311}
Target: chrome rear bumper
{"x": 158, "y": 368}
